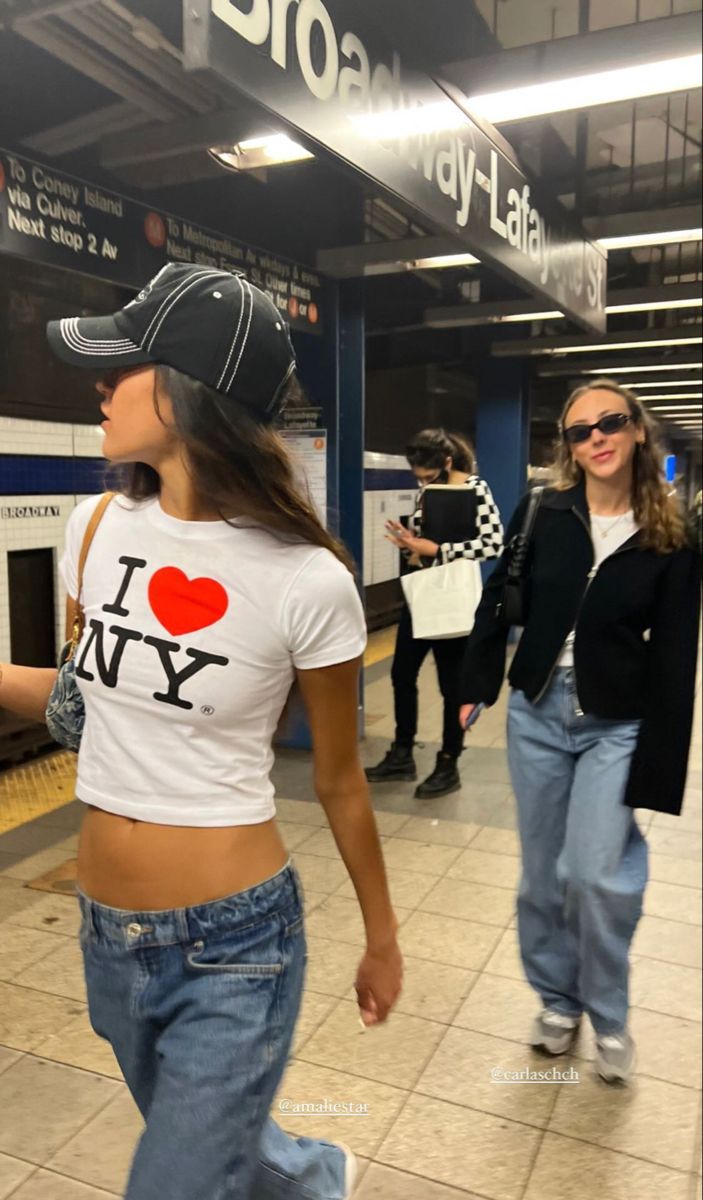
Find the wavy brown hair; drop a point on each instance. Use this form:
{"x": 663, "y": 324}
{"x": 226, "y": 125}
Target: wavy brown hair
{"x": 657, "y": 512}
{"x": 240, "y": 467}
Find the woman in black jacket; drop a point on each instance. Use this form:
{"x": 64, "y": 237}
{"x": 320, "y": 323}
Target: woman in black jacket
{"x": 601, "y": 709}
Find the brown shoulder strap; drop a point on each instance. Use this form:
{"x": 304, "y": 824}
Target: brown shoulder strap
{"x": 89, "y": 535}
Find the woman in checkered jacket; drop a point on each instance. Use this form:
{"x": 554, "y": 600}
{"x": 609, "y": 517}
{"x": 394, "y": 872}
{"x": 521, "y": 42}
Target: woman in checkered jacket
{"x": 435, "y": 457}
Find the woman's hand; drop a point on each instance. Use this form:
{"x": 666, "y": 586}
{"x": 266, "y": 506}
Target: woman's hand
{"x": 404, "y": 540}
{"x": 465, "y": 714}
{"x": 379, "y": 982}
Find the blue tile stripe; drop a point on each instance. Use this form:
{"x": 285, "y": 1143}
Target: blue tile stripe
{"x": 42, "y": 475}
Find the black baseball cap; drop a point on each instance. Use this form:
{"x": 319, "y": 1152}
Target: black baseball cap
{"x": 213, "y": 325}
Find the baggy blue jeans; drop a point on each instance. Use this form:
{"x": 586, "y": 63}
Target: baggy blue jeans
{"x": 584, "y": 860}
{"x": 200, "y": 1005}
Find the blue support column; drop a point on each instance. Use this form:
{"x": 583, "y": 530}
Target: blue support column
{"x": 352, "y": 393}
{"x": 352, "y": 409}
{"x": 502, "y": 430}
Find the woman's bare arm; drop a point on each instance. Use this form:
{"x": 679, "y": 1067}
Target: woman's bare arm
{"x": 26, "y": 690}
{"x": 331, "y": 700}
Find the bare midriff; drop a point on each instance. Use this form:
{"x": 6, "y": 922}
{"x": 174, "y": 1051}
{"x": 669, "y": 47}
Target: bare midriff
{"x": 141, "y": 867}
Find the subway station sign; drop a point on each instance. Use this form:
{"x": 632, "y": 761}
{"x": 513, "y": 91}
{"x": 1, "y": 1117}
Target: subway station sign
{"x": 50, "y": 217}
{"x": 346, "y": 90}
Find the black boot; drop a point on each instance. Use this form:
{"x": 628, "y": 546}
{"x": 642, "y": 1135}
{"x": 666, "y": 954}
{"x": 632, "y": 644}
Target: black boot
{"x": 443, "y": 781}
{"x": 398, "y": 764}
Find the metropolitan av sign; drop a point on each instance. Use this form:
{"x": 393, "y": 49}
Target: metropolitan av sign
{"x": 348, "y": 92}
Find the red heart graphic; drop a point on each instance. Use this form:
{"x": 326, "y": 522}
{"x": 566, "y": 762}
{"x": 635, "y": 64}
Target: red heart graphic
{"x": 183, "y": 605}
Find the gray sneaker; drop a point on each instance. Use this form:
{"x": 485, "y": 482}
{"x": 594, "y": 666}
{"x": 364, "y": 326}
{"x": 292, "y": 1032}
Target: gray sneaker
{"x": 554, "y": 1032}
{"x": 616, "y": 1057}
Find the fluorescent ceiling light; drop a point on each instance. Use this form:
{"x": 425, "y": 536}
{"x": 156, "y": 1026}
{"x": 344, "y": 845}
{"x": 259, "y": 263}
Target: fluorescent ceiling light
{"x": 585, "y": 91}
{"x": 442, "y": 261}
{"x": 664, "y": 383}
{"x": 610, "y": 346}
{"x": 665, "y": 238}
{"x": 653, "y": 306}
{"x": 533, "y": 316}
{"x": 255, "y": 154}
{"x": 409, "y": 122}
{"x": 690, "y": 366}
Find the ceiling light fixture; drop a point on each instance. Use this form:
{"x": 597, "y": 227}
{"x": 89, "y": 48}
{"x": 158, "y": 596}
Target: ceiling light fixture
{"x": 611, "y": 346}
{"x": 588, "y": 90}
{"x": 677, "y": 407}
{"x": 654, "y": 306}
{"x": 641, "y": 370}
{"x": 444, "y": 115}
{"x": 442, "y": 261}
{"x": 556, "y": 315}
{"x": 256, "y": 154}
{"x": 663, "y": 383}
{"x": 634, "y": 241}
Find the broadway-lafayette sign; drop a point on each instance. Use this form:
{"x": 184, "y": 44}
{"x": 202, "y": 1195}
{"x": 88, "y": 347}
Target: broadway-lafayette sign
{"x": 304, "y": 61}
{"x": 53, "y": 218}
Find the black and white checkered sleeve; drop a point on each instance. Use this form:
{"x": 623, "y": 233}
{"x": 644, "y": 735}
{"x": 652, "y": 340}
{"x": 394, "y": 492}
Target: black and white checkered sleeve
{"x": 488, "y": 542}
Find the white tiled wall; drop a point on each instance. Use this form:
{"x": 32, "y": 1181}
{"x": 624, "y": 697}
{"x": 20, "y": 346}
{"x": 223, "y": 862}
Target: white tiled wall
{"x": 32, "y": 533}
{"x": 381, "y": 559}
{"x": 18, "y": 436}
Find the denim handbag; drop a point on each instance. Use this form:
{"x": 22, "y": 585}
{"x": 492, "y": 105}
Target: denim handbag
{"x": 512, "y": 609}
{"x": 65, "y": 710}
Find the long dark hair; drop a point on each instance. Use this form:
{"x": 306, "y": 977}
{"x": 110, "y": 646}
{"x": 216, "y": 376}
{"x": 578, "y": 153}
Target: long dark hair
{"x": 657, "y": 511}
{"x": 239, "y": 466}
{"x": 431, "y": 448}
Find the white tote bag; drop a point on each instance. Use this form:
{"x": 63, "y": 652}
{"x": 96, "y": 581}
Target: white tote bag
{"x": 443, "y": 600}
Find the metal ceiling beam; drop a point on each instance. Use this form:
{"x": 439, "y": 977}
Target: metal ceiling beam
{"x": 527, "y": 348}
{"x": 97, "y": 66}
{"x": 353, "y": 262}
{"x": 189, "y": 168}
{"x": 49, "y": 8}
{"x": 603, "y": 50}
{"x": 659, "y": 220}
{"x": 459, "y": 315}
{"x": 86, "y": 129}
{"x": 161, "y": 70}
{"x": 177, "y": 137}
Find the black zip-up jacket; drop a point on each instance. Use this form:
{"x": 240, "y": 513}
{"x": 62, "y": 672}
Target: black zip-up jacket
{"x": 636, "y": 621}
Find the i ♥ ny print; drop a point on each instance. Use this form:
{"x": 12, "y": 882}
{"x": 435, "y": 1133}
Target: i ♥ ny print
{"x": 181, "y": 605}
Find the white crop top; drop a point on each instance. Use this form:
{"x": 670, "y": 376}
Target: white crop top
{"x": 193, "y": 633}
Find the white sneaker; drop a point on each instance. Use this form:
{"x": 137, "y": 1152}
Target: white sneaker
{"x": 616, "y": 1057}
{"x": 554, "y": 1032}
{"x": 352, "y": 1170}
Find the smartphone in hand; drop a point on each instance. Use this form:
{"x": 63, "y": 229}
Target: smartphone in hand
{"x": 475, "y": 715}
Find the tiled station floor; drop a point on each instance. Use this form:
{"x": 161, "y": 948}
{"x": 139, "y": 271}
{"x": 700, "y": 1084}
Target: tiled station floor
{"x": 436, "y": 1125}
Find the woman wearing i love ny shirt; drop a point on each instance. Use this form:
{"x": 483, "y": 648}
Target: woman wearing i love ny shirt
{"x": 210, "y": 587}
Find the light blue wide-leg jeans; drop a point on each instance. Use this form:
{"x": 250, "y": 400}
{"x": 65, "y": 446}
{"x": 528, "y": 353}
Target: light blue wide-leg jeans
{"x": 584, "y": 859}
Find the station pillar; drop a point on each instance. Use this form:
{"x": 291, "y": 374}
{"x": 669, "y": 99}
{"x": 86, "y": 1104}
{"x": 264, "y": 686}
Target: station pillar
{"x": 503, "y": 430}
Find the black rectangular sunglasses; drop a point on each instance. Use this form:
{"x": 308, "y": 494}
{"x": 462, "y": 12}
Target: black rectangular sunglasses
{"x": 612, "y": 423}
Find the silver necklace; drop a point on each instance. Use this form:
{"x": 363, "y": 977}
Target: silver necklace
{"x": 604, "y": 533}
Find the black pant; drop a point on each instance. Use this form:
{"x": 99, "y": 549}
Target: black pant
{"x": 410, "y": 653}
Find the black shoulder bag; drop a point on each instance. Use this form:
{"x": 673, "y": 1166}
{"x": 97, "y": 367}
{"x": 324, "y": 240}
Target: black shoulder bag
{"x": 512, "y": 609}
